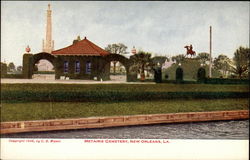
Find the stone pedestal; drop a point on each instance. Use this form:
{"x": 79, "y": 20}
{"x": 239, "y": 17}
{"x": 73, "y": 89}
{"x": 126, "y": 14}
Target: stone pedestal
{"x": 179, "y": 75}
{"x": 27, "y": 65}
{"x": 158, "y": 75}
{"x": 201, "y": 75}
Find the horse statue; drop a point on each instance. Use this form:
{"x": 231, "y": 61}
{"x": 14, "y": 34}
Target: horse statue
{"x": 190, "y": 50}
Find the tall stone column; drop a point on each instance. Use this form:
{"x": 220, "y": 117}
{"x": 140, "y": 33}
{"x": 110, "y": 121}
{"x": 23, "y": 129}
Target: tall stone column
{"x": 49, "y": 44}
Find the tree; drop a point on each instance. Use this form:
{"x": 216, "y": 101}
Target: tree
{"x": 203, "y": 57}
{"x": 241, "y": 61}
{"x": 19, "y": 68}
{"x": 179, "y": 58}
{"x": 116, "y": 49}
{"x": 3, "y": 69}
{"x": 142, "y": 61}
{"x": 222, "y": 63}
{"x": 159, "y": 59}
{"x": 11, "y": 67}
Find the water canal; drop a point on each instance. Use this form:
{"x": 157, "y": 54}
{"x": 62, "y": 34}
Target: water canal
{"x": 203, "y": 130}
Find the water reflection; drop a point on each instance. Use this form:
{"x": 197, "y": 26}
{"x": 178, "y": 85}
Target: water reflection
{"x": 205, "y": 130}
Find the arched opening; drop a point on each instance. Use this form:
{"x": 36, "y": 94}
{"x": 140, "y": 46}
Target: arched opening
{"x": 43, "y": 66}
{"x": 43, "y": 69}
{"x": 117, "y": 71}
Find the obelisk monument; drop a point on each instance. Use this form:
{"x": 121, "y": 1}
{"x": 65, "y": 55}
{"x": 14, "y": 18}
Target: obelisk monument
{"x": 48, "y": 45}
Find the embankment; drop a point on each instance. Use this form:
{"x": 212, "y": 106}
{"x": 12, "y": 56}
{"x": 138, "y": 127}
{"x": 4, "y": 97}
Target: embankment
{"x": 101, "y": 122}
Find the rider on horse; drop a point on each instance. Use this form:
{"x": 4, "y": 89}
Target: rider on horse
{"x": 190, "y": 50}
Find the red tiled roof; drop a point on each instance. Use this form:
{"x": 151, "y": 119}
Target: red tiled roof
{"x": 83, "y": 47}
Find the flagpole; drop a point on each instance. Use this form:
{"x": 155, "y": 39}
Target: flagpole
{"x": 210, "y": 52}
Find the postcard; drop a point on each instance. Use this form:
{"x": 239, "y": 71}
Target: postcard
{"x": 124, "y": 80}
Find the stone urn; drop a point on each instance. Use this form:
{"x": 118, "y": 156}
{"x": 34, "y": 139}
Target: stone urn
{"x": 27, "y": 49}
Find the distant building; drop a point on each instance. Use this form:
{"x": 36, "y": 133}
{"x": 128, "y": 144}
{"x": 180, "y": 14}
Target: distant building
{"x": 133, "y": 52}
{"x": 167, "y": 64}
{"x": 44, "y": 65}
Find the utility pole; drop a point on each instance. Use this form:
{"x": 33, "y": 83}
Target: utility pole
{"x": 210, "y": 52}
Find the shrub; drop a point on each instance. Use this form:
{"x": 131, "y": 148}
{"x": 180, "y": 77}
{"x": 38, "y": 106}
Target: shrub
{"x": 116, "y": 92}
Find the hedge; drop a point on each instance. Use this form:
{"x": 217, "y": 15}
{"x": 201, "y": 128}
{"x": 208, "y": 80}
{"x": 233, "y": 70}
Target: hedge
{"x": 118, "y": 92}
{"x": 97, "y": 96}
{"x": 14, "y": 76}
{"x": 226, "y": 81}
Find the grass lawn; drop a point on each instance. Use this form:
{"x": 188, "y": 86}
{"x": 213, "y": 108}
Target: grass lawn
{"x": 57, "y": 110}
{"x": 52, "y": 101}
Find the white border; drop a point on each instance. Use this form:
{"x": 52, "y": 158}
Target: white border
{"x": 174, "y": 149}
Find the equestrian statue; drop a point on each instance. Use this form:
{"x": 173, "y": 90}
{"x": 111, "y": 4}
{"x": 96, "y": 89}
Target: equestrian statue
{"x": 190, "y": 50}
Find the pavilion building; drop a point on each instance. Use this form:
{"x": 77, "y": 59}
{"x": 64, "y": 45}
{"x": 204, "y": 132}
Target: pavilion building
{"x": 81, "y": 60}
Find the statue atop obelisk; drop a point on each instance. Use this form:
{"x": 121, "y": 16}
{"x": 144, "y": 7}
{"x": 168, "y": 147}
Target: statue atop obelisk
{"x": 48, "y": 45}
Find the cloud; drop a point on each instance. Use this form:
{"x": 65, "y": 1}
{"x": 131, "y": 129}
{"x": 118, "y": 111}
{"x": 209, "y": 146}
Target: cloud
{"x": 159, "y": 27}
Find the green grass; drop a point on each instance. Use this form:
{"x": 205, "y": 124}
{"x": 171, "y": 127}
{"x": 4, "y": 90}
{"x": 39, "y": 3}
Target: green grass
{"x": 57, "y": 110}
{"x": 50, "y": 101}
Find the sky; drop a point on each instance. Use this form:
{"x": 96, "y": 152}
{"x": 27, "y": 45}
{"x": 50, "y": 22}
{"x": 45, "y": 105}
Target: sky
{"x": 160, "y": 27}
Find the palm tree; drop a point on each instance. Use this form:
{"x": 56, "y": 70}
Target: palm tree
{"x": 142, "y": 61}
